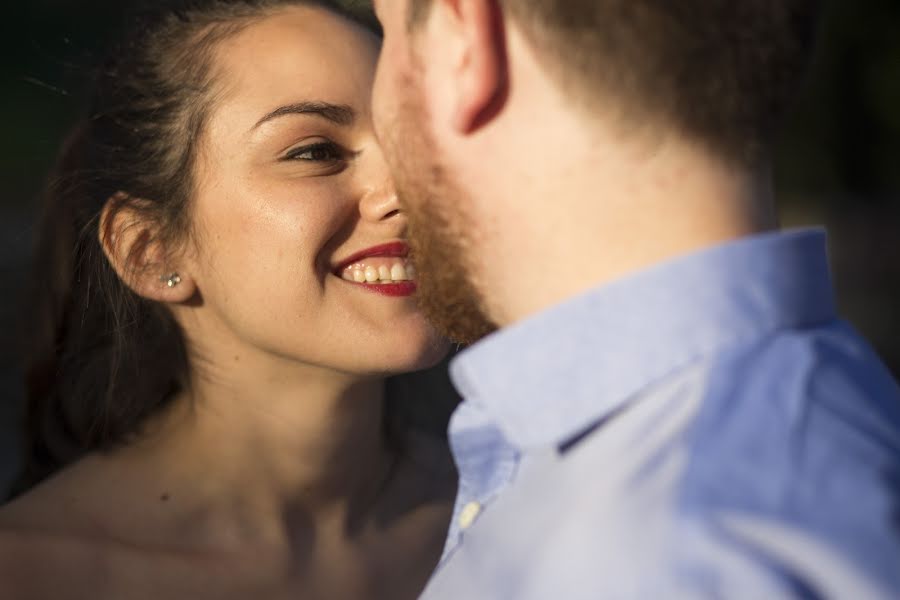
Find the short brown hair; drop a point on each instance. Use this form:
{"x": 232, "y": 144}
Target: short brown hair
{"x": 721, "y": 71}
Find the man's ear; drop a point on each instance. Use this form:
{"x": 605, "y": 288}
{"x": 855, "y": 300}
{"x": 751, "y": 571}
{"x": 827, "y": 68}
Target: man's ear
{"x": 479, "y": 62}
{"x": 131, "y": 243}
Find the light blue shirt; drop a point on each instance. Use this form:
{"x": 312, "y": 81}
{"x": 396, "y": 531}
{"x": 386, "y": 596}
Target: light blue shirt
{"x": 707, "y": 428}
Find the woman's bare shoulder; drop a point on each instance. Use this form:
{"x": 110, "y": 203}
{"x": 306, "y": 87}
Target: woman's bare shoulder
{"x": 45, "y": 548}
{"x": 45, "y": 507}
{"x": 45, "y": 558}
{"x": 40, "y": 565}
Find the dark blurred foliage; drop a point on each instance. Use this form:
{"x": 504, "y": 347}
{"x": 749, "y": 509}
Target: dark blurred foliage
{"x": 45, "y": 52}
{"x": 838, "y": 165}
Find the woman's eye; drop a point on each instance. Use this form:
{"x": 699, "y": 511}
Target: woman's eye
{"x": 319, "y": 152}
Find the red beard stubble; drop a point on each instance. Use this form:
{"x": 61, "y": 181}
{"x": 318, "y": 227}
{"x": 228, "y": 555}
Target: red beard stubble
{"x": 440, "y": 234}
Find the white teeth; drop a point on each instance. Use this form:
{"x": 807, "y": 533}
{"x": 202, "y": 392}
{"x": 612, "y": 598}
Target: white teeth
{"x": 383, "y": 273}
{"x": 398, "y": 272}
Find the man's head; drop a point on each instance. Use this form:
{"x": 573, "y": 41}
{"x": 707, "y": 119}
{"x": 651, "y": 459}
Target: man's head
{"x": 469, "y": 84}
{"x": 718, "y": 70}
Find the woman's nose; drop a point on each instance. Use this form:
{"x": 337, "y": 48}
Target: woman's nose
{"x": 380, "y": 202}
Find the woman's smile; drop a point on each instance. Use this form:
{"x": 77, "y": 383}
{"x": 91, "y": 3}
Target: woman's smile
{"x": 384, "y": 269}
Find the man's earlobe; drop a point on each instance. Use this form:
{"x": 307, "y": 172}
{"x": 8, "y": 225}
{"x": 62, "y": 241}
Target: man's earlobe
{"x": 482, "y": 69}
{"x": 131, "y": 244}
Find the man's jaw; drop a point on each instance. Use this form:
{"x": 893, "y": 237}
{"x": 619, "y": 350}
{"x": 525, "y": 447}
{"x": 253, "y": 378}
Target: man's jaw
{"x": 447, "y": 293}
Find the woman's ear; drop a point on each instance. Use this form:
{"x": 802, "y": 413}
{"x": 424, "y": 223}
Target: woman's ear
{"x": 131, "y": 243}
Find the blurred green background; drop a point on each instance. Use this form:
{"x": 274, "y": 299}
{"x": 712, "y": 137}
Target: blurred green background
{"x": 838, "y": 164}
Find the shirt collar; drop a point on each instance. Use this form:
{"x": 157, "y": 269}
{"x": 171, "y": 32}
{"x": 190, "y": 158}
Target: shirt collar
{"x": 548, "y": 378}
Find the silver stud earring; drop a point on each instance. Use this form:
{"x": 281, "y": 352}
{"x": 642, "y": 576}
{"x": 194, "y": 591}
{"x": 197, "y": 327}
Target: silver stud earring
{"x": 171, "y": 280}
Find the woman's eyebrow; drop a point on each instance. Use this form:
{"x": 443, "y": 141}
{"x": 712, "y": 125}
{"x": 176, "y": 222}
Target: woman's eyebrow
{"x": 340, "y": 114}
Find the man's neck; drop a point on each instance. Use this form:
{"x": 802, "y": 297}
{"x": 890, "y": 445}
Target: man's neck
{"x": 574, "y": 212}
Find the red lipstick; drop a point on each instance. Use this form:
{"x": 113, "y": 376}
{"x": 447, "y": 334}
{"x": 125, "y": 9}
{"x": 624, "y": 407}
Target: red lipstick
{"x": 401, "y": 289}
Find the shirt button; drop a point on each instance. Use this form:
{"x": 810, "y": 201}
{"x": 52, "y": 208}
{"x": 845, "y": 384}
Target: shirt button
{"x": 468, "y": 515}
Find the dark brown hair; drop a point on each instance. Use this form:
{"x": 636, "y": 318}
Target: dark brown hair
{"x": 101, "y": 359}
{"x": 721, "y": 71}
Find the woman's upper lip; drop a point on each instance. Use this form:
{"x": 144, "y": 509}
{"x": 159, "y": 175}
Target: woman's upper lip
{"x": 398, "y": 249}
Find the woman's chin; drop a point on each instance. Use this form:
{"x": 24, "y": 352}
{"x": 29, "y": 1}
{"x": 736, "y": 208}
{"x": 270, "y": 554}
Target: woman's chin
{"x": 415, "y": 353}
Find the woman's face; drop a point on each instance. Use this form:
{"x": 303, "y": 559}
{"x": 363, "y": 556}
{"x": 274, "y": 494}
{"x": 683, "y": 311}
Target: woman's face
{"x": 295, "y": 213}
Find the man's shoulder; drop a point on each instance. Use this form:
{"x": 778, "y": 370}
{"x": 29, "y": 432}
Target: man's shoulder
{"x": 788, "y": 444}
{"x": 819, "y": 382}
{"x": 795, "y": 453}
{"x": 758, "y": 424}
{"x": 804, "y": 416}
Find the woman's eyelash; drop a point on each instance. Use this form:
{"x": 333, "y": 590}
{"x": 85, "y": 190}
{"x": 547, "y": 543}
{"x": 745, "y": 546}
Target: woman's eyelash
{"x": 318, "y": 152}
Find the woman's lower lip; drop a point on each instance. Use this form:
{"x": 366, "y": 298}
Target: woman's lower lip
{"x": 399, "y": 289}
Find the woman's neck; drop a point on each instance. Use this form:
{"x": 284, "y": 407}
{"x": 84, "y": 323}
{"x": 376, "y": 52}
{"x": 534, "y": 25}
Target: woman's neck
{"x": 256, "y": 448}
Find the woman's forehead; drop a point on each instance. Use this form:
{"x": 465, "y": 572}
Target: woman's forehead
{"x": 299, "y": 52}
